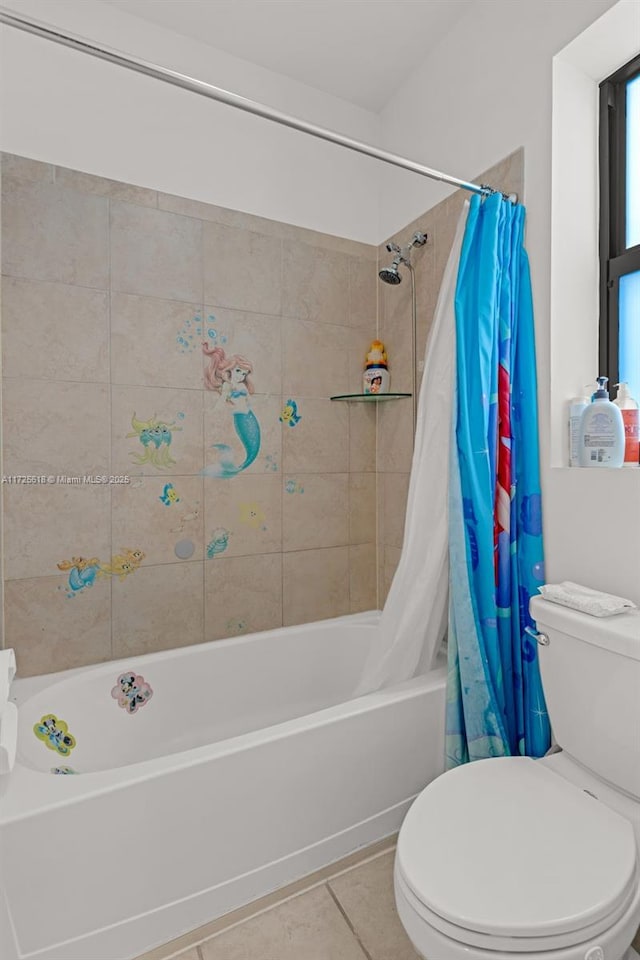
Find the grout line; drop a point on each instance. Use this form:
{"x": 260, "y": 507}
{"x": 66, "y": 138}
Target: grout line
{"x": 347, "y": 920}
{"x": 298, "y": 893}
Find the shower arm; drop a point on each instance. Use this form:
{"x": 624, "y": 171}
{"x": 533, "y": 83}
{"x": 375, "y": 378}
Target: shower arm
{"x": 48, "y": 32}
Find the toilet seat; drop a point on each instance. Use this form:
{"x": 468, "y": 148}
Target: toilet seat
{"x": 504, "y": 853}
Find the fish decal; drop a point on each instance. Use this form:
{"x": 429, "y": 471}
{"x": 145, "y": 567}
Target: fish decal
{"x": 169, "y": 495}
{"x": 290, "y": 415}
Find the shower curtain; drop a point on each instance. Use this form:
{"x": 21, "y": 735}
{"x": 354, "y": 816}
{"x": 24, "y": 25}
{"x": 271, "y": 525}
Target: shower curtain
{"x": 495, "y": 702}
{"x": 414, "y": 618}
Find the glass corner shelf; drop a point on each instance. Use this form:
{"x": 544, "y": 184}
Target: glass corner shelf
{"x": 369, "y": 397}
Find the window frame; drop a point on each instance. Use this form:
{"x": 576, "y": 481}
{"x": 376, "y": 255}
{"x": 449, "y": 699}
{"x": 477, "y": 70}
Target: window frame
{"x": 616, "y": 260}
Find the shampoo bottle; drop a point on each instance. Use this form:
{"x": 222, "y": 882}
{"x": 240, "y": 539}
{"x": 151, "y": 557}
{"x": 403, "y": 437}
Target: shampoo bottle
{"x": 376, "y": 374}
{"x": 601, "y": 438}
{"x": 631, "y": 419}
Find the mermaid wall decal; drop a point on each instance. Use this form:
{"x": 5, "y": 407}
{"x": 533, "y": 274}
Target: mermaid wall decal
{"x": 230, "y": 376}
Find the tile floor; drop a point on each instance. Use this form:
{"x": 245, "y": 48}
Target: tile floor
{"x": 348, "y": 915}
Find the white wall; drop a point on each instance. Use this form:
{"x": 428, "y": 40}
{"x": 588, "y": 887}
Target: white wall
{"x": 483, "y": 92}
{"x": 71, "y": 109}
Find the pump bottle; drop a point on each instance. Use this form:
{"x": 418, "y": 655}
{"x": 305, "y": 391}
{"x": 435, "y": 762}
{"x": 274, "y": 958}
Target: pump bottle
{"x": 601, "y": 439}
{"x": 630, "y": 417}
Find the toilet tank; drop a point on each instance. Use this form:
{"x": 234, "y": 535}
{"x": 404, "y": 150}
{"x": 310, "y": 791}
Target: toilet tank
{"x": 591, "y": 677}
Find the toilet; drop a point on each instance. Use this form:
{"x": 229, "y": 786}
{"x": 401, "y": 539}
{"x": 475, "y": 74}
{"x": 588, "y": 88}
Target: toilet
{"x": 519, "y": 859}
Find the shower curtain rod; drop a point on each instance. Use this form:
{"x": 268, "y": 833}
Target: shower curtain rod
{"x": 48, "y": 32}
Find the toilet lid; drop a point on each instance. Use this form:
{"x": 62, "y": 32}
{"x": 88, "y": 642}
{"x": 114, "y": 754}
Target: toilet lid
{"x": 509, "y": 848}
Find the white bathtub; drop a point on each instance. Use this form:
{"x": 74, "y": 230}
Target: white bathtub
{"x": 249, "y": 767}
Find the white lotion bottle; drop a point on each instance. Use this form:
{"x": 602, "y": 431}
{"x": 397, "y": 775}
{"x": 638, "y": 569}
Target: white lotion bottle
{"x": 576, "y": 408}
{"x": 601, "y": 439}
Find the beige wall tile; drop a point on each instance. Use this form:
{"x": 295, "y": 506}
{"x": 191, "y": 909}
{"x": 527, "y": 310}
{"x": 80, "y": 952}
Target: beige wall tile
{"x": 366, "y": 896}
{"x": 248, "y": 511}
{"x": 22, "y": 168}
{"x": 49, "y": 233}
{"x": 362, "y": 577}
{"x": 140, "y": 517}
{"x": 181, "y": 410}
{"x": 395, "y": 436}
{"x": 155, "y": 254}
{"x": 315, "y": 511}
{"x": 315, "y": 584}
{"x": 362, "y": 437}
{"x": 254, "y": 336}
{"x": 46, "y": 524}
{"x": 271, "y": 228}
{"x": 309, "y": 927}
{"x": 114, "y": 189}
{"x": 242, "y": 269}
{"x": 145, "y": 347}
{"x": 320, "y": 441}
{"x": 315, "y": 358}
{"x": 157, "y": 608}
{"x": 362, "y": 507}
{"x": 55, "y": 427}
{"x": 51, "y": 631}
{"x": 54, "y": 331}
{"x": 396, "y": 487}
{"x": 220, "y": 427}
{"x": 363, "y": 295}
{"x": 242, "y": 594}
{"x": 315, "y": 284}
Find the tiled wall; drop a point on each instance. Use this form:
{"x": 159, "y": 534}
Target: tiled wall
{"x": 108, "y": 290}
{"x": 395, "y": 420}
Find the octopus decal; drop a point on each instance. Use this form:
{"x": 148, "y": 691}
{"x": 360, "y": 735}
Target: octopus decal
{"x": 131, "y": 691}
{"x": 156, "y": 437}
{"x": 230, "y": 376}
{"x": 54, "y": 734}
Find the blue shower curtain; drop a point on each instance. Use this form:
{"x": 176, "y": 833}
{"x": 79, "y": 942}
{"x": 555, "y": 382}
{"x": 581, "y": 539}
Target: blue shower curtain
{"x": 495, "y": 702}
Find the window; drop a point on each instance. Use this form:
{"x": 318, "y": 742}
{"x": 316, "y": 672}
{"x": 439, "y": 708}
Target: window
{"x": 620, "y": 226}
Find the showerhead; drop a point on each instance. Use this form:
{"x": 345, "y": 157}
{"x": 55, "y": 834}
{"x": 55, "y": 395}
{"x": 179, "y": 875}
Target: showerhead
{"x": 390, "y": 274}
{"x": 402, "y": 256}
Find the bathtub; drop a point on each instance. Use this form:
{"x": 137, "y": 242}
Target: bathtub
{"x": 205, "y": 777}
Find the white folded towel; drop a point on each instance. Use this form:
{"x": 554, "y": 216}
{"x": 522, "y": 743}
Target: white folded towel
{"x": 593, "y": 602}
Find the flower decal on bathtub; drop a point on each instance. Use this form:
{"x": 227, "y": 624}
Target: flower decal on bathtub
{"x": 54, "y": 734}
{"x": 131, "y": 691}
{"x": 63, "y": 771}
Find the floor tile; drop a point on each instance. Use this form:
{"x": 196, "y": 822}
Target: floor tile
{"x": 309, "y": 927}
{"x": 366, "y": 896}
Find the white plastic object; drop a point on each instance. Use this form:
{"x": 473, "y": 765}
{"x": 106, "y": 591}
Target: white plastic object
{"x": 8, "y": 712}
{"x": 576, "y": 407}
{"x": 631, "y": 420}
{"x": 601, "y": 436}
{"x": 542, "y": 881}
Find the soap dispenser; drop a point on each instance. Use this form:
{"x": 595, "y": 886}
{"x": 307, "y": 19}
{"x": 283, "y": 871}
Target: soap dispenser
{"x": 601, "y": 440}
